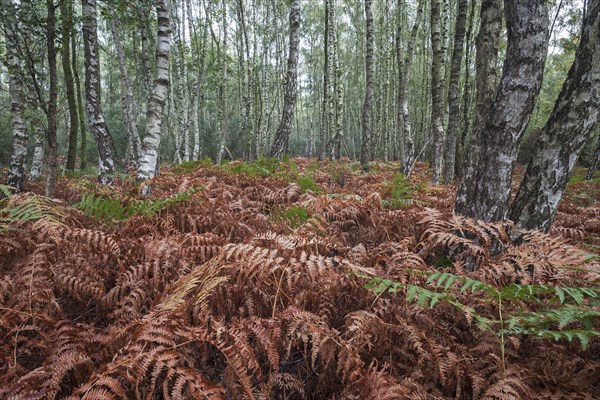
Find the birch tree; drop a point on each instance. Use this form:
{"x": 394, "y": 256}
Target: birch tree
{"x": 574, "y": 115}
{"x": 52, "y": 99}
{"x": 437, "y": 90}
{"x": 16, "y": 173}
{"x": 454, "y": 90}
{"x": 484, "y": 193}
{"x": 133, "y": 139}
{"x": 282, "y": 135}
{"x": 66, "y": 15}
{"x": 96, "y": 122}
{"x": 148, "y": 166}
{"x": 368, "y": 103}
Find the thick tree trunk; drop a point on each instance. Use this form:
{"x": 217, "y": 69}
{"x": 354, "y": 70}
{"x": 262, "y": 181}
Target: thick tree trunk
{"x": 437, "y": 91}
{"x": 106, "y": 166}
{"x": 368, "y": 104}
{"x": 282, "y": 136}
{"x": 467, "y": 99}
{"x": 134, "y": 143}
{"x": 454, "y": 90}
{"x": 66, "y": 15}
{"x": 484, "y": 194}
{"x": 148, "y": 166}
{"x": 52, "y": 100}
{"x": 16, "y": 173}
{"x": 574, "y": 115}
{"x": 486, "y": 60}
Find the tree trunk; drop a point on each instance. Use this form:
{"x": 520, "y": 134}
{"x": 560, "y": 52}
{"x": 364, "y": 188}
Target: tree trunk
{"x": 80, "y": 108}
{"x": 325, "y": 122}
{"x": 467, "y": 99}
{"x": 367, "y": 105}
{"x": 148, "y": 166}
{"x": 133, "y": 137}
{"x": 339, "y": 103}
{"x": 16, "y": 173}
{"x": 38, "y": 154}
{"x": 223, "y": 87}
{"x": 484, "y": 194}
{"x": 574, "y": 115}
{"x": 407, "y": 146}
{"x": 486, "y": 59}
{"x": 52, "y": 100}
{"x": 594, "y": 164}
{"x": 106, "y": 166}
{"x": 437, "y": 91}
{"x": 454, "y": 90}
{"x": 282, "y": 136}
{"x": 66, "y": 14}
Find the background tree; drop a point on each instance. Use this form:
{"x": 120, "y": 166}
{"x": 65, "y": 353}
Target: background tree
{"x": 280, "y": 144}
{"x": 366, "y": 113}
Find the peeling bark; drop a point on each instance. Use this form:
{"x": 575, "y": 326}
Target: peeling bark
{"x": 574, "y": 115}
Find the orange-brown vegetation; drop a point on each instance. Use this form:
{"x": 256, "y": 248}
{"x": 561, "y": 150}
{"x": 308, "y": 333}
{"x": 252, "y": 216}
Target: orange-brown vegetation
{"x": 254, "y": 287}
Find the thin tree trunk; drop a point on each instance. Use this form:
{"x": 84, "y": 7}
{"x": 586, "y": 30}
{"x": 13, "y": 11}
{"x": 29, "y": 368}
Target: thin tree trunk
{"x": 52, "y": 100}
{"x": 66, "y": 14}
{"x": 38, "y": 154}
{"x": 339, "y": 103}
{"x": 134, "y": 143}
{"x": 574, "y": 115}
{"x": 80, "y": 108}
{"x": 16, "y": 173}
{"x": 454, "y": 90}
{"x": 282, "y": 136}
{"x": 223, "y": 87}
{"x": 367, "y": 106}
{"x": 325, "y": 103}
{"x": 406, "y": 141}
{"x": 106, "y": 166}
{"x": 149, "y": 166}
{"x": 594, "y": 164}
{"x": 437, "y": 91}
{"x": 484, "y": 194}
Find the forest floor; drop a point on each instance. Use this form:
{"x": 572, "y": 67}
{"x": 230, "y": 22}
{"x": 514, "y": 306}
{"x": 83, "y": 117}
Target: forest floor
{"x": 293, "y": 280}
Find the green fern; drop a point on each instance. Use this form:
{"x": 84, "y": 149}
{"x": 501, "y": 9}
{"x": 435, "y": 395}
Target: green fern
{"x": 555, "y": 306}
{"x": 106, "y": 209}
{"x": 32, "y": 208}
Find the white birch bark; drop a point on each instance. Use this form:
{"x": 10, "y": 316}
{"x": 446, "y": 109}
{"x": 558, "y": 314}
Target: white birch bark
{"x": 16, "y": 173}
{"x": 156, "y": 102}
{"x": 106, "y": 166}
{"x": 126, "y": 96}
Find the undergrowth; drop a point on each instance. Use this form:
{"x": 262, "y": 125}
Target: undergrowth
{"x": 254, "y": 288}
